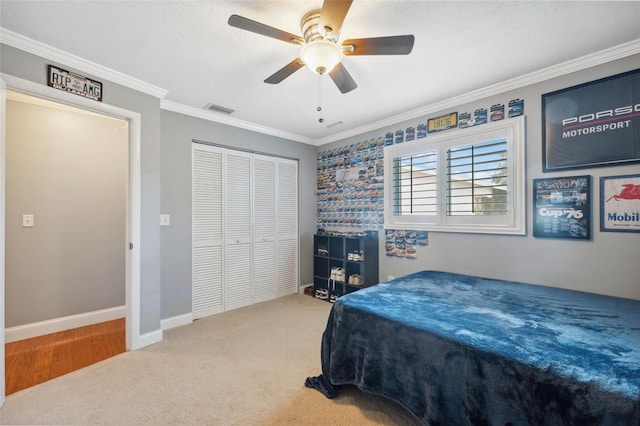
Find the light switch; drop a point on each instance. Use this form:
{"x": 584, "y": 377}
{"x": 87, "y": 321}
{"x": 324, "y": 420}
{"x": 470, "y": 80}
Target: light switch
{"x": 27, "y": 221}
{"x": 165, "y": 220}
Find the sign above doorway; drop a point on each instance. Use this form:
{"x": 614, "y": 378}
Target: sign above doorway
{"x": 61, "y": 79}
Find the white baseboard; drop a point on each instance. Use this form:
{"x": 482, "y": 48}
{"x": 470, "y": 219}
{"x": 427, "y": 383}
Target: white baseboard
{"x": 55, "y": 325}
{"x": 147, "y": 339}
{"x": 177, "y": 321}
{"x": 302, "y": 287}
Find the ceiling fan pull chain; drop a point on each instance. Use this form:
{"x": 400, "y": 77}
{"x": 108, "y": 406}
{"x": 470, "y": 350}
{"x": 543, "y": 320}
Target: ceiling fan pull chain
{"x": 319, "y": 109}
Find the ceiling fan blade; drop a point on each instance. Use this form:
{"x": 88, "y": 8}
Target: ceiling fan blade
{"x": 393, "y": 45}
{"x": 262, "y": 29}
{"x": 342, "y": 78}
{"x": 333, "y": 13}
{"x": 285, "y": 71}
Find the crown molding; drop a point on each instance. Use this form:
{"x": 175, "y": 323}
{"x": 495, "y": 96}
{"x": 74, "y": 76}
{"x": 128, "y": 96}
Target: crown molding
{"x": 230, "y": 121}
{"x": 616, "y": 52}
{"x": 21, "y": 42}
{"x": 26, "y": 44}
{"x": 578, "y": 64}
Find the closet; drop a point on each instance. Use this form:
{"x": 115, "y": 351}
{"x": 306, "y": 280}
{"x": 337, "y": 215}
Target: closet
{"x": 244, "y": 229}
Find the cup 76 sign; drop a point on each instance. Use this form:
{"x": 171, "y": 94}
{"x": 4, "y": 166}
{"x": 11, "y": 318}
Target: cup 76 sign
{"x": 562, "y": 207}
{"x": 620, "y": 203}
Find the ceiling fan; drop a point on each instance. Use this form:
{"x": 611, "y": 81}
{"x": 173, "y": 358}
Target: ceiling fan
{"x": 320, "y": 50}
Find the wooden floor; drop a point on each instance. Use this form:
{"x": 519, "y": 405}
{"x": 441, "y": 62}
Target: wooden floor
{"x": 32, "y": 361}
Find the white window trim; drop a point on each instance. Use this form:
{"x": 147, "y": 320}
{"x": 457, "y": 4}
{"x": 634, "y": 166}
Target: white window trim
{"x": 514, "y": 223}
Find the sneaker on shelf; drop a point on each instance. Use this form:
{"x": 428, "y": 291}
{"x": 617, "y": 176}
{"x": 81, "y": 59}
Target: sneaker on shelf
{"x": 334, "y": 272}
{"x": 358, "y": 256}
{"x": 322, "y": 293}
{"x": 356, "y": 279}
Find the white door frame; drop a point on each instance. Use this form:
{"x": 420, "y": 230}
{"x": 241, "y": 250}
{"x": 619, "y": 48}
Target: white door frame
{"x": 3, "y": 107}
{"x": 132, "y": 299}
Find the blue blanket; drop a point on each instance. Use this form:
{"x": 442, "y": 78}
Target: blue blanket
{"x": 463, "y": 350}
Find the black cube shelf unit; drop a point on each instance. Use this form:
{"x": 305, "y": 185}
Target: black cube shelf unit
{"x": 356, "y": 253}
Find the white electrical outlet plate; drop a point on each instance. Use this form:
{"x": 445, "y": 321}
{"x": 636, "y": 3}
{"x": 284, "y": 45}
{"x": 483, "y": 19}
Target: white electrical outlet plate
{"x": 28, "y": 221}
{"x": 165, "y": 220}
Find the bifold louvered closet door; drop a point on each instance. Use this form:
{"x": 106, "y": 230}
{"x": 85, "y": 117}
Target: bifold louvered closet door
{"x": 264, "y": 228}
{"x": 287, "y": 226}
{"x": 245, "y": 234}
{"x": 207, "y": 226}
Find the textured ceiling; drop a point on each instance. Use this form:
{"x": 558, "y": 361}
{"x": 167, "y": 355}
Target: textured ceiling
{"x": 187, "y": 48}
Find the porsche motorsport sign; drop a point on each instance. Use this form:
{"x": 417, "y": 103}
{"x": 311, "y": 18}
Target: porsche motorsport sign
{"x": 592, "y": 124}
{"x": 74, "y": 83}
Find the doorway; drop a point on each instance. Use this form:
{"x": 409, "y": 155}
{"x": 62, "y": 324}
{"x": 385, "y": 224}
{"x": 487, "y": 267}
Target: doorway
{"x": 132, "y": 210}
{"x": 65, "y": 218}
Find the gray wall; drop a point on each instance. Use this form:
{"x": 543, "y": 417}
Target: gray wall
{"x": 31, "y": 67}
{"x": 69, "y": 169}
{"x": 166, "y": 187}
{"x": 178, "y": 131}
{"x": 608, "y": 264}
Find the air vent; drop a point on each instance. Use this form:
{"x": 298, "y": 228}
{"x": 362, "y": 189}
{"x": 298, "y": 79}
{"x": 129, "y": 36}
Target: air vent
{"x": 337, "y": 123}
{"x": 218, "y": 108}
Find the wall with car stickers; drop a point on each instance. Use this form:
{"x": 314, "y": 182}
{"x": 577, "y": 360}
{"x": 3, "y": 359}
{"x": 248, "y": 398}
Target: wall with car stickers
{"x": 350, "y": 198}
{"x": 350, "y": 181}
{"x": 350, "y": 178}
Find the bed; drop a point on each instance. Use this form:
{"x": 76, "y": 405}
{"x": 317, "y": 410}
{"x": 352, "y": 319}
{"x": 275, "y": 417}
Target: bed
{"x": 463, "y": 350}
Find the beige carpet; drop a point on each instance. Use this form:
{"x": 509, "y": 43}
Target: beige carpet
{"x": 243, "y": 367}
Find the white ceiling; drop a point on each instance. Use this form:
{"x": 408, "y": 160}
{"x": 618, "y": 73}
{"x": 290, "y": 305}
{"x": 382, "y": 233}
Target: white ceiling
{"x": 187, "y": 49}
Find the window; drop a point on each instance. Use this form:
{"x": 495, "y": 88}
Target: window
{"x": 471, "y": 180}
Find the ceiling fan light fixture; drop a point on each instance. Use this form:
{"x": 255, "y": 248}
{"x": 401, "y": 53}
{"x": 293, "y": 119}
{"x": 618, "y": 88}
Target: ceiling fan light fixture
{"x": 321, "y": 56}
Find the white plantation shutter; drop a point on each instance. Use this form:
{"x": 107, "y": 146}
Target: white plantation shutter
{"x": 207, "y": 231}
{"x": 476, "y": 179}
{"x": 467, "y": 181}
{"x": 415, "y": 184}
